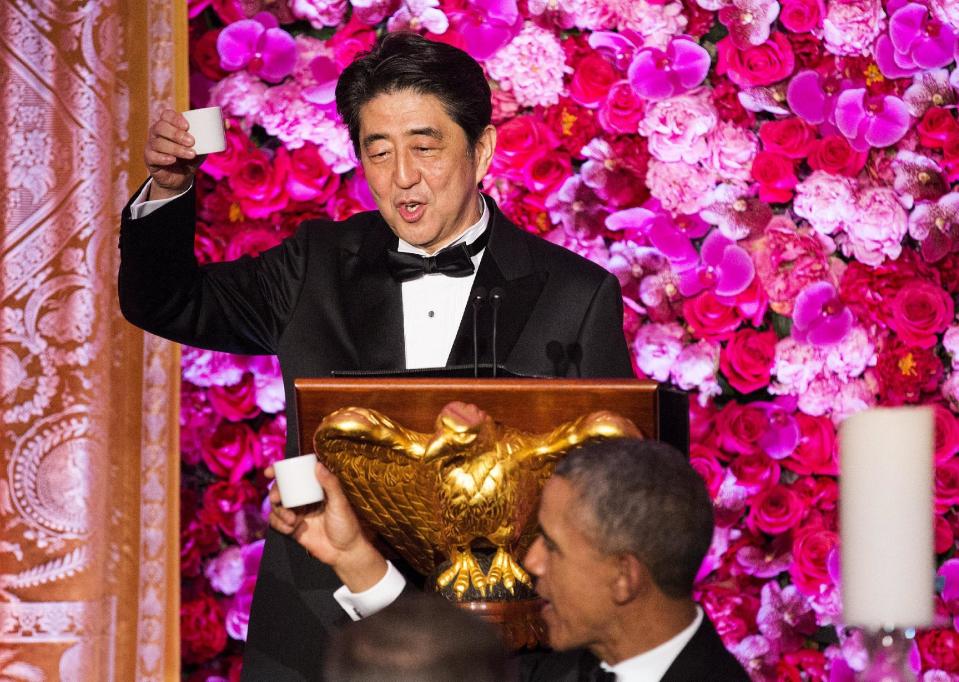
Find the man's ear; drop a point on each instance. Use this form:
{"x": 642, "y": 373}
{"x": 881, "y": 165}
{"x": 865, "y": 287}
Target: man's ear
{"x": 632, "y": 579}
{"x": 484, "y": 149}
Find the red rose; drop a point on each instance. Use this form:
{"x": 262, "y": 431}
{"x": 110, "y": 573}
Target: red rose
{"x": 755, "y": 471}
{"x": 591, "y": 81}
{"x": 234, "y": 508}
{"x": 950, "y": 161}
{"x": 230, "y": 160}
{"x": 776, "y": 176}
{"x": 310, "y": 179}
{"x": 944, "y": 537}
{"x": 920, "y": 311}
{"x": 947, "y": 485}
{"x": 867, "y": 290}
{"x": 936, "y": 126}
{"x": 947, "y": 434}
{"x": 775, "y": 510}
{"x": 939, "y": 649}
{"x": 740, "y": 427}
{"x": 801, "y": 665}
{"x": 801, "y": 16}
{"x": 731, "y": 608}
{"x": 816, "y": 452}
{"x": 763, "y": 64}
{"x": 546, "y": 171}
{"x": 622, "y": 110}
{"x": 518, "y": 140}
{"x": 746, "y": 360}
{"x": 834, "y": 154}
{"x": 236, "y": 402}
{"x": 231, "y": 450}
{"x": 709, "y": 318}
{"x": 905, "y": 373}
{"x": 204, "y": 55}
{"x": 700, "y": 20}
{"x": 811, "y": 550}
{"x": 260, "y": 183}
{"x": 791, "y": 137}
{"x": 202, "y": 632}
{"x": 705, "y": 461}
{"x": 197, "y": 540}
{"x": 725, "y": 98}
{"x": 575, "y": 125}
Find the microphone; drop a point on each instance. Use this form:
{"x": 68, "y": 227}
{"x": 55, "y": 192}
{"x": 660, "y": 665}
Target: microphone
{"x": 557, "y": 355}
{"x": 496, "y": 296}
{"x": 574, "y": 352}
{"x": 478, "y": 299}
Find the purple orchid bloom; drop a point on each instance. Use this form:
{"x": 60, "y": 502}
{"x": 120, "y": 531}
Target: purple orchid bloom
{"x": 619, "y": 48}
{"x": 660, "y": 231}
{"x": 725, "y": 268}
{"x": 871, "y": 120}
{"x": 655, "y": 74}
{"x": 785, "y": 615}
{"x": 949, "y": 574}
{"x": 813, "y": 97}
{"x": 919, "y": 39}
{"x": 325, "y": 72}
{"x": 765, "y": 564}
{"x": 414, "y": 15}
{"x": 768, "y": 98}
{"x": 748, "y": 21}
{"x": 783, "y": 435}
{"x": 820, "y": 317}
{"x": 259, "y": 46}
{"x": 929, "y": 89}
{"x": 936, "y": 226}
{"x": 737, "y": 217}
{"x": 917, "y": 178}
{"x": 486, "y": 26}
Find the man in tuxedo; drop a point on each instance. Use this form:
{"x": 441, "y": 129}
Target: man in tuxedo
{"x": 386, "y": 290}
{"x": 624, "y": 526}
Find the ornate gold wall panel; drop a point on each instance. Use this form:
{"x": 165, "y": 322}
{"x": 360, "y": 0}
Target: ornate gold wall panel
{"x": 88, "y": 410}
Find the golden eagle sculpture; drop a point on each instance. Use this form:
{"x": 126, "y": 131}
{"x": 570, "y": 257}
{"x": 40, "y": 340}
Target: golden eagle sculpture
{"x": 432, "y": 496}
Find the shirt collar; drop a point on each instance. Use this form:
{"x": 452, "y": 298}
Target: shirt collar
{"x": 470, "y": 235}
{"x": 650, "y": 666}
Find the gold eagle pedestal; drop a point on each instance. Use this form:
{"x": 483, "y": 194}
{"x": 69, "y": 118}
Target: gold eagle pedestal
{"x": 458, "y": 504}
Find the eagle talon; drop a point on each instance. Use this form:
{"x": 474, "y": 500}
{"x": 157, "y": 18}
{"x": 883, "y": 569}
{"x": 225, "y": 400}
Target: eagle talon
{"x": 463, "y": 573}
{"x": 507, "y": 570}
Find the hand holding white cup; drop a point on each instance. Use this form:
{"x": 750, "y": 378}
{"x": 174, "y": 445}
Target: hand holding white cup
{"x": 296, "y": 481}
{"x": 206, "y": 127}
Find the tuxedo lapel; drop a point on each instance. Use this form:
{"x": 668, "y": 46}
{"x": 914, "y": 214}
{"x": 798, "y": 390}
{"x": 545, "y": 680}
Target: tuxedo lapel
{"x": 373, "y": 302}
{"x": 507, "y": 264}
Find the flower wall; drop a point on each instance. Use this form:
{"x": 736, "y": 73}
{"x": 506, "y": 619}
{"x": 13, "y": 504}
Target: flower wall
{"x": 773, "y": 183}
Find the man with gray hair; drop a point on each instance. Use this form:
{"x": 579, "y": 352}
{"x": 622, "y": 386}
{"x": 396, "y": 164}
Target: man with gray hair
{"x": 624, "y": 527}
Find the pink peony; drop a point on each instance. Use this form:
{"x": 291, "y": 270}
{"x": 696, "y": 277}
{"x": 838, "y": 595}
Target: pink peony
{"x": 877, "y": 231}
{"x": 851, "y": 26}
{"x": 656, "y": 348}
{"x": 531, "y": 66}
{"x": 680, "y": 187}
{"x": 695, "y": 369}
{"x": 825, "y": 201}
{"x": 656, "y": 21}
{"x": 731, "y": 151}
{"x": 676, "y": 128}
{"x": 320, "y": 13}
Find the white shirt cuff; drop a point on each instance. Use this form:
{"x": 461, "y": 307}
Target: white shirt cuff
{"x": 141, "y": 208}
{"x": 363, "y": 604}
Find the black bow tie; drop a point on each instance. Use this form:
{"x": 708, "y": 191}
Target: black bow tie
{"x": 453, "y": 261}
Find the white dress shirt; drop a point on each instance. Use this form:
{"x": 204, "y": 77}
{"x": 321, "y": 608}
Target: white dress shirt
{"x": 650, "y": 666}
{"x": 433, "y": 304}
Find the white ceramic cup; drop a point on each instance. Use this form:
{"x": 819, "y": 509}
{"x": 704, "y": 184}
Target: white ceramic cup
{"x": 206, "y": 127}
{"x": 296, "y": 479}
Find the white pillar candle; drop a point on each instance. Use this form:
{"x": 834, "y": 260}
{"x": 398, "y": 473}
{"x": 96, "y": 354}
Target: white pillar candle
{"x": 886, "y": 489}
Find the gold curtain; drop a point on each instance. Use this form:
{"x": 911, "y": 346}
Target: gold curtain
{"x": 88, "y": 405}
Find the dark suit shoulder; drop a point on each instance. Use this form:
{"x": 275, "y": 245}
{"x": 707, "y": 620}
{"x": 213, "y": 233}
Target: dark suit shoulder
{"x": 705, "y": 659}
{"x": 559, "y": 259}
{"x": 349, "y": 234}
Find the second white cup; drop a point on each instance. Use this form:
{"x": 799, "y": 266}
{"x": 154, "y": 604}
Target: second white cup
{"x": 296, "y": 479}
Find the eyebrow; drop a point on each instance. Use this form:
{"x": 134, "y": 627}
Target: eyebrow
{"x": 428, "y": 131}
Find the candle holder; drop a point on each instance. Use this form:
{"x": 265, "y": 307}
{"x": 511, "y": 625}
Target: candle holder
{"x": 888, "y": 655}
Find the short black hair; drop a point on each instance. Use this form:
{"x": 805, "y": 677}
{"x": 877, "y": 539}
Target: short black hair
{"x": 643, "y": 497}
{"x": 406, "y": 61}
{"x": 418, "y": 638}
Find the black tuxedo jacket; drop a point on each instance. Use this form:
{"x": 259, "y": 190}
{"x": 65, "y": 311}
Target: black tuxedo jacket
{"x": 324, "y": 300}
{"x": 703, "y": 659}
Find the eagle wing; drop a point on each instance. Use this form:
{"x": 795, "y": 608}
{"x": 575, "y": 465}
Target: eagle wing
{"x": 380, "y": 466}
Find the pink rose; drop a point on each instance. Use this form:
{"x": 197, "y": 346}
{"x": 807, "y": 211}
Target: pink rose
{"x": 756, "y": 471}
{"x": 705, "y": 461}
{"x": 197, "y": 540}
{"x": 947, "y": 485}
{"x": 250, "y": 240}
{"x": 947, "y": 434}
{"x": 260, "y": 183}
{"x": 833, "y": 154}
{"x": 920, "y": 311}
{"x": 622, "y": 110}
{"x": 740, "y": 428}
{"x": 800, "y": 16}
{"x": 944, "y": 536}
{"x": 816, "y": 452}
{"x": 230, "y": 450}
{"x": 676, "y": 128}
{"x": 732, "y": 609}
{"x": 232, "y": 507}
{"x": 236, "y": 402}
{"x": 591, "y": 80}
{"x": 546, "y": 171}
{"x": 939, "y": 649}
{"x": 656, "y": 348}
{"x": 709, "y": 318}
{"x": 746, "y": 359}
{"x": 776, "y": 176}
{"x": 811, "y": 550}
{"x": 731, "y": 151}
{"x": 763, "y": 64}
{"x": 518, "y": 140}
{"x": 310, "y": 179}
{"x": 201, "y": 629}
{"x": 229, "y": 161}
{"x": 775, "y": 510}
{"x": 791, "y": 137}
{"x": 350, "y": 39}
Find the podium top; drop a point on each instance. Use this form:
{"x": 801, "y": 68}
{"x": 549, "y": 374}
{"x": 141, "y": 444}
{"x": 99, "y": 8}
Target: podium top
{"x": 533, "y": 405}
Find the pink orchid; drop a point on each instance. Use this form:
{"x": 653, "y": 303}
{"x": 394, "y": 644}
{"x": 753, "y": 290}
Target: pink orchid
{"x": 748, "y": 21}
{"x": 486, "y": 25}
{"x": 724, "y": 268}
{"x": 258, "y": 46}
{"x": 619, "y": 47}
{"x": 414, "y": 15}
{"x": 820, "y": 318}
{"x": 936, "y": 226}
{"x": 768, "y": 98}
{"x": 762, "y": 563}
{"x": 736, "y": 214}
{"x": 917, "y": 178}
{"x": 813, "y": 97}
{"x": 655, "y": 74}
{"x": 660, "y": 231}
{"x": 871, "y": 120}
{"x": 325, "y": 73}
{"x": 929, "y": 89}
{"x": 919, "y": 40}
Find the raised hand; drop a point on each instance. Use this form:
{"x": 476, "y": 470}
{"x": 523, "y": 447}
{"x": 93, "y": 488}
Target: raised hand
{"x": 169, "y": 156}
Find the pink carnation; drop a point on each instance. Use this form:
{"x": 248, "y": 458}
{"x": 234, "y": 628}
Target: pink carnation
{"x": 950, "y": 341}
{"x": 676, "y": 128}
{"x": 531, "y": 66}
{"x": 851, "y": 26}
{"x": 319, "y": 13}
{"x": 879, "y": 226}
{"x": 731, "y": 151}
{"x": 695, "y": 368}
{"x": 225, "y": 571}
{"x": 680, "y": 187}
{"x": 851, "y": 356}
{"x": 240, "y": 94}
{"x": 825, "y": 201}
{"x": 656, "y": 348}
{"x": 211, "y": 368}
{"x": 591, "y": 15}
{"x": 656, "y": 22}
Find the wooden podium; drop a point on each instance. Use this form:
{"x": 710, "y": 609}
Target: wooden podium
{"x": 531, "y": 405}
